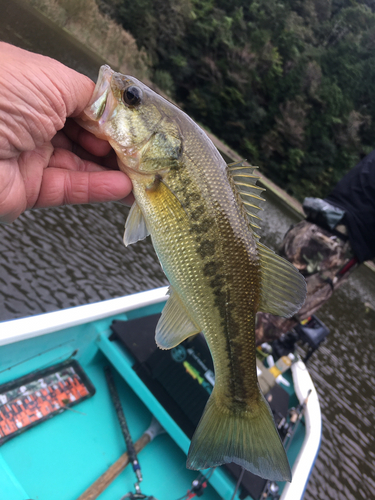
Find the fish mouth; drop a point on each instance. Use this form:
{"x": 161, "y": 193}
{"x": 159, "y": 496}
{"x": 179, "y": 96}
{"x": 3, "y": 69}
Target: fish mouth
{"x": 97, "y": 106}
{"x": 101, "y": 105}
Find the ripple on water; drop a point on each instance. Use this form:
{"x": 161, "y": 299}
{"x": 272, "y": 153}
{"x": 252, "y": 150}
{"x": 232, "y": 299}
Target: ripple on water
{"x": 343, "y": 372}
{"x": 70, "y": 256}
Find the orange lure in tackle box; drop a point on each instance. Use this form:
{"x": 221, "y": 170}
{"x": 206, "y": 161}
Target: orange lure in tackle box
{"x": 40, "y": 395}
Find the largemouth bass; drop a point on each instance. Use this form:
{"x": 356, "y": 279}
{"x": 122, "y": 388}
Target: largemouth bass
{"x": 200, "y": 214}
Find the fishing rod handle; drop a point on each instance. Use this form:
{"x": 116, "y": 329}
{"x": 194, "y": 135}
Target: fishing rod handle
{"x": 114, "y": 470}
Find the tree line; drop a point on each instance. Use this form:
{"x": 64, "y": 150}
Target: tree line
{"x": 288, "y": 84}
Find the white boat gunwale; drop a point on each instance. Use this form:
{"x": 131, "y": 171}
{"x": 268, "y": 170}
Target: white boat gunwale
{"x": 41, "y": 324}
{"x": 307, "y": 456}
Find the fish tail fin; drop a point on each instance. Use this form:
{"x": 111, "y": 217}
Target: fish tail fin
{"x": 246, "y": 437}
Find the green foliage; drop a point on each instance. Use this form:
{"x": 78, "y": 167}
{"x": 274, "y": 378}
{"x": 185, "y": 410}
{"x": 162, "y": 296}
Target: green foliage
{"x": 287, "y": 83}
{"x": 164, "y": 81}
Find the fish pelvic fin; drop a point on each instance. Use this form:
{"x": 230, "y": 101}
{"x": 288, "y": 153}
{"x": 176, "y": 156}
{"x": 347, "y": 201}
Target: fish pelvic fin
{"x": 246, "y": 437}
{"x": 175, "y": 325}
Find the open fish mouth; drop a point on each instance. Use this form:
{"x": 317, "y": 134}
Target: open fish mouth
{"x": 101, "y": 106}
{"x": 97, "y": 108}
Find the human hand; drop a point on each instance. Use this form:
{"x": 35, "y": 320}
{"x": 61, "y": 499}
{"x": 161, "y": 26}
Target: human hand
{"x": 47, "y": 159}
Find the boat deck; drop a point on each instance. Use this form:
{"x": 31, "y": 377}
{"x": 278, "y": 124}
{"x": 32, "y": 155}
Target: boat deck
{"x": 61, "y": 457}
{"x": 81, "y": 446}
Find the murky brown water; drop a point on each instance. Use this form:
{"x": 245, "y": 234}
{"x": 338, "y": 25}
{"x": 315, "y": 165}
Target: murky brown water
{"x": 52, "y": 259}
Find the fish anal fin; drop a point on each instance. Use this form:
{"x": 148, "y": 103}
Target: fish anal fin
{"x": 135, "y": 226}
{"x": 283, "y": 286}
{"x": 175, "y": 324}
{"x": 248, "y": 438}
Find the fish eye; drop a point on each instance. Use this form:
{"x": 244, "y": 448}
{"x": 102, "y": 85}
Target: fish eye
{"x": 132, "y": 95}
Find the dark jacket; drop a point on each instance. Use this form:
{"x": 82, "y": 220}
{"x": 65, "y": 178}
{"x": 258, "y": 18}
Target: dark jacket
{"x": 355, "y": 194}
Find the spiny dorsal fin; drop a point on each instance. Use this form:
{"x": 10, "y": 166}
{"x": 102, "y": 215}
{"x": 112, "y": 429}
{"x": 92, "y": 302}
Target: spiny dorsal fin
{"x": 135, "y": 226}
{"x": 245, "y": 182}
{"x": 283, "y": 286}
{"x": 175, "y": 324}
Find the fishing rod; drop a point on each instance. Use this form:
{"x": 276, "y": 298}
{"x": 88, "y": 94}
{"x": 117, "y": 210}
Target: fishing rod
{"x": 98, "y": 486}
{"x": 40, "y": 354}
{"x": 124, "y": 427}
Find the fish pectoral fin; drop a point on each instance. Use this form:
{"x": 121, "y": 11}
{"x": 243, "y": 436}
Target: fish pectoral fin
{"x": 175, "y": 324}
{"x": 172, "y": 193}
{"x": 283, "y": 286}
{"x": 135, "y": 226}
{"x": 246, "y": 437}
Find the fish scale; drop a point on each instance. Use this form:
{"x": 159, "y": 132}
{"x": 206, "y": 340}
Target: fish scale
{"x": 200, "y": 214}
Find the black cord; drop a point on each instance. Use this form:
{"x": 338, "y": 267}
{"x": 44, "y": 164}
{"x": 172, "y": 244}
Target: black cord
{"x": 238, "y": 483}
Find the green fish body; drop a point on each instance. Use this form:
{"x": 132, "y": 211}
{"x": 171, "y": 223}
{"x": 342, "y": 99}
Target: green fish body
{"x": 200, "y": 214}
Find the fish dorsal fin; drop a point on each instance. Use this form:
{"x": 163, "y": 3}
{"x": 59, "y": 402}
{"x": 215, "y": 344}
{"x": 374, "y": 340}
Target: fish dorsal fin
{"x": 175, "y": 324}
{"x": 135, "y": 226}
{"x": 245, "y": 181}
{"x": 283, "y": 286}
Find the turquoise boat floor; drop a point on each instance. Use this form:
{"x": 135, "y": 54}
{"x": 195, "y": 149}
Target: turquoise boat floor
{"x": 61, "y": 457}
